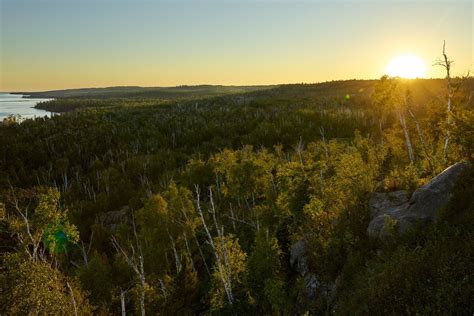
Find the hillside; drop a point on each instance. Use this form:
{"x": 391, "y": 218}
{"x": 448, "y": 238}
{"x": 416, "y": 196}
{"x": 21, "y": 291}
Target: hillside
{"x": 252, "y": 202}
{"x": 145, "y": 92}
{"x": 334, "y": 93}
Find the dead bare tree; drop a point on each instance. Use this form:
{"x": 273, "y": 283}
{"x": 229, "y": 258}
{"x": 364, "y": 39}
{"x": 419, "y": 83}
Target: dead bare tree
{"x": 175, "y": 253}
{"x": 453, "y": 86}
{"x": 446, "y": 63}
{"x": 135, "y": 261}
{"x": 197, "y": 244}
{"x": 84, "y": 252}
{"x": 189, "y": 252}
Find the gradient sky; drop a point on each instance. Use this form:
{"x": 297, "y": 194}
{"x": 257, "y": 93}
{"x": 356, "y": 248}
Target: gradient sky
{"x": 55, "y": 44}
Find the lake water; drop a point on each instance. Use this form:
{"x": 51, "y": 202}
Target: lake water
{"x": 15, "y": 104}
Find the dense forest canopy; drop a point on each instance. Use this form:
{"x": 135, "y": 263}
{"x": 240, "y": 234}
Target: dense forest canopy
{"x": 164, "y": 202}
{"x": 146, "y": 92}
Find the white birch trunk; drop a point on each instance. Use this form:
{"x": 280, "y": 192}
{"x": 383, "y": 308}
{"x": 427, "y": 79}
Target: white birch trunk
{"x": 220, "y": 268}
{"x": 407, "y": 136}
{"x": 72, "y": 298}
{"x": 122, "y": 302}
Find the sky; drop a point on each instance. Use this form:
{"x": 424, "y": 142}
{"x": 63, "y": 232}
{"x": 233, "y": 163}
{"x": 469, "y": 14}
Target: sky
{"x": 58, "y": 44}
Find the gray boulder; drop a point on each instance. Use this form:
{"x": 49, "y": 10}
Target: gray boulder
{"x": 380, "y": 202}
{"x": 395, "y": 210}
{"x": 299, "y": 262}
{"x": 113, "y": 219}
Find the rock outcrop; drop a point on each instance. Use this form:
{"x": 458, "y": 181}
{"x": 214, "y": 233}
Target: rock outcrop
{"x": 299, "y": 262}
{"x": 113, "y": 219}
{"x": 399, "y": 211}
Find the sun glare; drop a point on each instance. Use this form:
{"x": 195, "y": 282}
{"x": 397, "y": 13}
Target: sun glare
{"x": 406, "y": 66}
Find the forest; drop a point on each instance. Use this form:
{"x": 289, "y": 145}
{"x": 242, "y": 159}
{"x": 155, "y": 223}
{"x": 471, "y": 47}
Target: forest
{"x": 192, "y": 202}
{"x": 172, "y": 93}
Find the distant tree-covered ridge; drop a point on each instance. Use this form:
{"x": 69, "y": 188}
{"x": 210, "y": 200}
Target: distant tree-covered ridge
{"x": 146, "y": 92}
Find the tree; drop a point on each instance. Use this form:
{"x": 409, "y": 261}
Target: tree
{"x": 217, "y": 248}
{"x": 44, "y": 228}
{"x": 229, "y": 271}
{"x": 389, "y": 97}
{"x": 133, "y": 255}
{"x": 264, "y": 275}
{"x": 446, "y": 63}
{"x": 31, "y": 278}
{"x": 35, "y": 287}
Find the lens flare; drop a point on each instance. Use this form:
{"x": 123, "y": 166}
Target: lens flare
{"x": 55, "y": 239}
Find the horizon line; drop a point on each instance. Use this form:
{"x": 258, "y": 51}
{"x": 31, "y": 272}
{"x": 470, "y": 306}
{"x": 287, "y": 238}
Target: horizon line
{"x": 212, "y": 85}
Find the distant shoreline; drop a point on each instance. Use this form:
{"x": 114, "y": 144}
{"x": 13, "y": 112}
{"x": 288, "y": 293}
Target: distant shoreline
{"x": 15, "y": 105}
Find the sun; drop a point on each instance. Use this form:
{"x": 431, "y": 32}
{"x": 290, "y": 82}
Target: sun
{"x": 406, "y": 66}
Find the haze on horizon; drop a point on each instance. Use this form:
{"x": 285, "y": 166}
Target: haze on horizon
{"x": 52, "y": 44}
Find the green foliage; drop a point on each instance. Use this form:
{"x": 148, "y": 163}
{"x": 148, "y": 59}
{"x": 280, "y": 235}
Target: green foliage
{"x": 265, "y": 279}
{"x": 35, "y": 287}
{"x": 96, "y": 277}
{"x": 296, "y": 162}
{"x": 48, "y": 223}
{"x": 426, "y": 272}
{"x": 406, "y": 179}
{"x": 464, "y": 133}
{"x": 433, "y": 278}
{"x": 233, "y": 259}
{"x": 3, "y": 212}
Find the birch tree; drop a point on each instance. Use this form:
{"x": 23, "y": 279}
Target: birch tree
{"x": 401, "y": 109}
{"x": 389, "y": 98}
{"x": 31, "y": 275}
{"x": 134, "y": 258}
{"x": 221, "y": 269}
{"x": 229, "y": 258}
